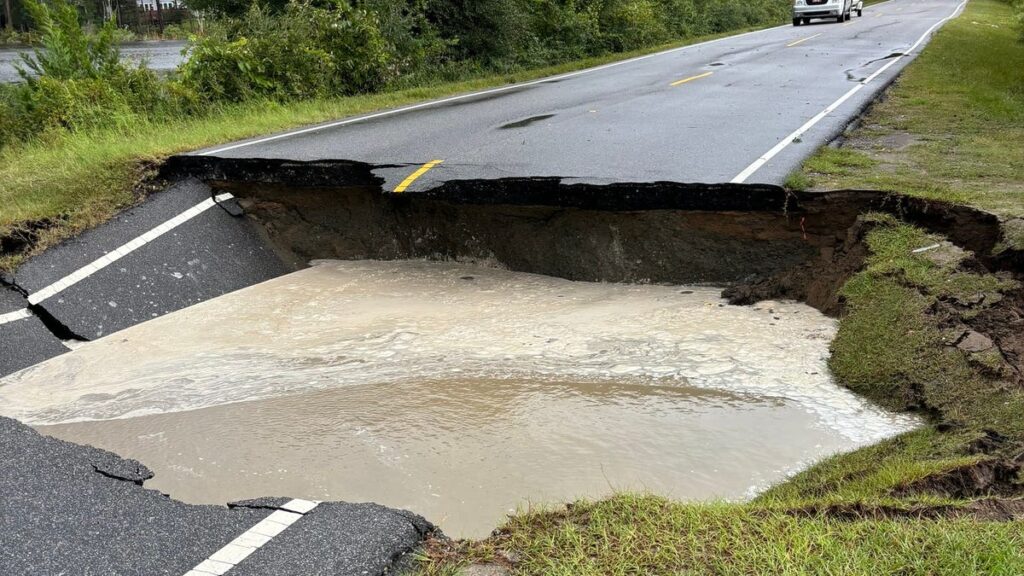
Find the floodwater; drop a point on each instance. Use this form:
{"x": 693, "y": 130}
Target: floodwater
{"x": 160, "y": 56}
{"x": 457, "y": 391}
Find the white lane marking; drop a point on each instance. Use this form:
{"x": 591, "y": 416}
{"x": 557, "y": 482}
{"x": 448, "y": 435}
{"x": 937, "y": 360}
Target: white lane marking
{"x": 476, "y": 94}
{"x": 122, "y": 251}
{"x": 223, "y": 560}
{"x": 749, "y": 170}
{"x": 15, "y": 316}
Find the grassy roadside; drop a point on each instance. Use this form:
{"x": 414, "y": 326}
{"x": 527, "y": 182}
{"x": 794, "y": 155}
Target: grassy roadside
{"x": 631, "y": 534}
{"x": 927, "y": 331}
{"x": 75, "y": 181}
{"x": 950, "y": 129}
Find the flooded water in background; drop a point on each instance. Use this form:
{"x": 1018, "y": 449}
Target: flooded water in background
{"x": 456, "y": 391}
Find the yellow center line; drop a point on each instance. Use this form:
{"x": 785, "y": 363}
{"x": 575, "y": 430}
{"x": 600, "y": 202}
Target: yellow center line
{"x": 412, "y": 177}
{"x": 802, "y": 40}
{"x": 691, "y": 78}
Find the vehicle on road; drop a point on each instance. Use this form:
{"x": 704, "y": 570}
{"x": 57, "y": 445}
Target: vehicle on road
{"x": 841, "y": 10}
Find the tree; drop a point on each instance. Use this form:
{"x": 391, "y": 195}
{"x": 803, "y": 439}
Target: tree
{"x": 233, "y": 7}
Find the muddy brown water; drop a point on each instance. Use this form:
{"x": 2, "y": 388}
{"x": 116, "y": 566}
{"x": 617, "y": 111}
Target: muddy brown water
{"x": 458, "y": 391}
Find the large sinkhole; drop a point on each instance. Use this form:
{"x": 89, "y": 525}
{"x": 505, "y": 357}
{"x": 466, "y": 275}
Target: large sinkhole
{"x": 462, "y": 359}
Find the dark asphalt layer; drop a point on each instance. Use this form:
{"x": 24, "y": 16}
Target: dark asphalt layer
{"x": 26, "y": 341}
{"x": 210, "y": 255}
{"x": 76, "y": 510}
{"x": 628, "y": 124}
{"x": 162, "y": 56}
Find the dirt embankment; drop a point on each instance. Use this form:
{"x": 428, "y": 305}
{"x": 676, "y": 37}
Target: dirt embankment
{"x": 763, "y": 241}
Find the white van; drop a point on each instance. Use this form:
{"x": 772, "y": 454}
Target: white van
{"x": 841, "y": 10}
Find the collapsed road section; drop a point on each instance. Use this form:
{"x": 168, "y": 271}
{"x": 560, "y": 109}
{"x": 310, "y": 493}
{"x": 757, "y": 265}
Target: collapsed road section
{"x": 757, "y": 241}
{"x": 762, "y": 241}
{"x": 183, "y": 245}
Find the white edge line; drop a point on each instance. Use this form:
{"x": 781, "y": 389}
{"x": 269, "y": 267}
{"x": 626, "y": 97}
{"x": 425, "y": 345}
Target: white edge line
{"x": 757, "y": 164}
{"x": 499, "y": 89}
{"x": 15, "y": 316}
{"x": 430, "y": 103}
{"x": 121, "y": 251}
{"x": 234, "y": 552}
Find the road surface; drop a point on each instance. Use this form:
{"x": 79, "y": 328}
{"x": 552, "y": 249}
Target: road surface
{"x": 707, "y": 113}
{"x": 69, "y": 509}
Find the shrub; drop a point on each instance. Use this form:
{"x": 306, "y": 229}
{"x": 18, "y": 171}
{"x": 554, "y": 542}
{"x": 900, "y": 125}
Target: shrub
{"x": 410, "y": 36}
{"x": 306, "y": 51}
{"x": 67, "y": 51}
{"x": 175, "y": 31}
{"x": 496, "y": 32}
{"x": 632, "y": 24}
{"x": 76, "y": 81}
{"x": 571, "y": 29}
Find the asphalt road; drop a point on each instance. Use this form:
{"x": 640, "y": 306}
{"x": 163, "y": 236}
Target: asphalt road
{"x": 208, "y": 254}
{"x": 161, "y": 56}
{"x": 700, "y": 114}
{"x": 76, "y": 510}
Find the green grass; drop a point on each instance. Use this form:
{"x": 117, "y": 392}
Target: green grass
{"x": 636, "y": 534}
{"x": 79, "y": 180}
{"x": 951, "y": 126}
{"x": 893, "y": 346}
{"x": 902, "y": 313}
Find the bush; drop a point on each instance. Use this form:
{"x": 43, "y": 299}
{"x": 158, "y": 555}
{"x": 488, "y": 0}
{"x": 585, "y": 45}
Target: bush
{"x": 306, "y": 51}
{"x": 75, "y": 81}
{"x": 67, "y": 52}
{"x": 405, "y": 28}
{"x": 632, "y": 24}
{"x": 497, "y": 32}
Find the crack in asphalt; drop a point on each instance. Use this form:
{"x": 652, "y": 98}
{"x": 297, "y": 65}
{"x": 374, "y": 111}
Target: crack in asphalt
{"x": 136, "y": 476}
{"x": 852, "y": 78}
{"x": 59, "y": 330}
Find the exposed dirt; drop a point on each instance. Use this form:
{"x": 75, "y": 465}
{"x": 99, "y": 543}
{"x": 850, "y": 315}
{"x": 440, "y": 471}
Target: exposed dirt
{"x": 1003, "y": 326}
{"x": 986, "y": 509}
{"x": 761, "y": 240}
{"x": 816, "y": 282}
{"x": 657, "y": 246}
{"x": 988, "y": 477}
{"x": 23, "y": 238}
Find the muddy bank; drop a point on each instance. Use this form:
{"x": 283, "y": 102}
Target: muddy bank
{"x": 759, "y": 242}
{"x": 763, "y": 241}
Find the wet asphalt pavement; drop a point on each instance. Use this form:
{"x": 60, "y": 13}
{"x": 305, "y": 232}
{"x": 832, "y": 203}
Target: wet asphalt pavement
{"x": 68, "y": 509}
{"x": 705, "y": 113}
{"x": 700, "y": 114}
